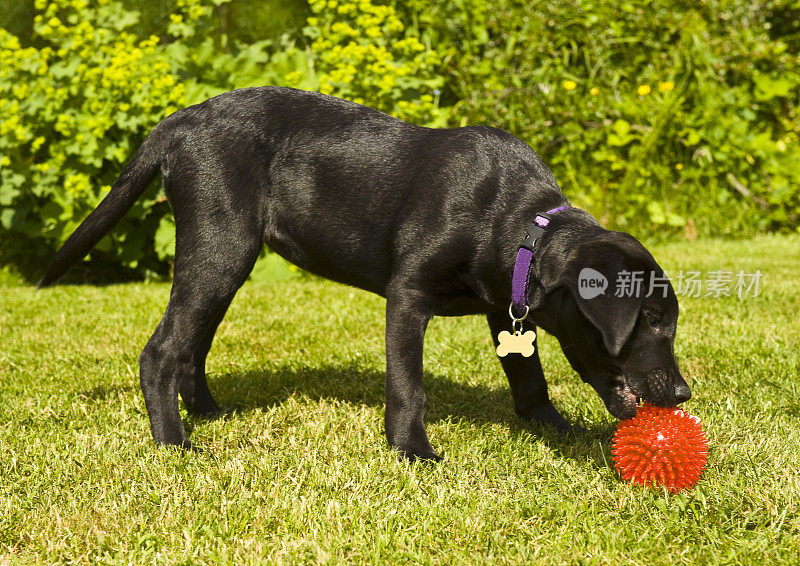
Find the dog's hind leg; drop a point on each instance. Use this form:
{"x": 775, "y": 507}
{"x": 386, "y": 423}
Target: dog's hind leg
{"x": 194, "y": 387}
{"x": 211, "y": 263}
{"x": 526, "y": 378}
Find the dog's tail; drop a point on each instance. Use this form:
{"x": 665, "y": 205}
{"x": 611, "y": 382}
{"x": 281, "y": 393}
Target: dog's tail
{"x": 130, "y": 185}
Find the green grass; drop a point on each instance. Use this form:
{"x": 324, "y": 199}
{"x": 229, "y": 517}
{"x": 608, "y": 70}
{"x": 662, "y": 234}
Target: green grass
{"x": 301, "y": 471}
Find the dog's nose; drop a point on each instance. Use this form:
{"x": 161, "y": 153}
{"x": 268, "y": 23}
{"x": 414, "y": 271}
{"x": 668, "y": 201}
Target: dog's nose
{"x": 682, "y": 393}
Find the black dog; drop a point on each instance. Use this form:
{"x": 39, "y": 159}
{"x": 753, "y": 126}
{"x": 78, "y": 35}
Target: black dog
{"x": 430, "y": 219}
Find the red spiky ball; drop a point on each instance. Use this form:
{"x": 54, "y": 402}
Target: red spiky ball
{"x": 660, "y": 446}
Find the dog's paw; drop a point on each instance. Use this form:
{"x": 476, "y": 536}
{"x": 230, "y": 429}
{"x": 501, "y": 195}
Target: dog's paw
{"x": 430, "y": 456}
{"x": 185, "y": 446}
{"x": 547, "y": 415}
{"x": 418, "y": 453}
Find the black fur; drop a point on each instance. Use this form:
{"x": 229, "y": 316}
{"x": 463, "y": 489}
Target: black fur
{"x": 429, "y": 219}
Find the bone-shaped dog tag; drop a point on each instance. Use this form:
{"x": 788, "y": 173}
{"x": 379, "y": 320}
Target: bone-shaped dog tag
{"x": 516, "y": 343}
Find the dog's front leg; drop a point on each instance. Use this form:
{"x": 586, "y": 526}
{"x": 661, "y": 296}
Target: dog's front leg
{"x": 406, "y": 320}
{"x": 526, "y": 378}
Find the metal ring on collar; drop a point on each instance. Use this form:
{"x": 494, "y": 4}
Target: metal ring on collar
{"x": 515, "y": 319}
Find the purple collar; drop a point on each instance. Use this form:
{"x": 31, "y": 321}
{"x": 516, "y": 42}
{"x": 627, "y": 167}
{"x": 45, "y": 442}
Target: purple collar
{"x": 522, "y": 266}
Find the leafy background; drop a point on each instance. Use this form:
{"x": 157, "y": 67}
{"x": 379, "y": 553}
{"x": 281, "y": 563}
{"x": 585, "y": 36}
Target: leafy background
{"x": 665, "y": 119}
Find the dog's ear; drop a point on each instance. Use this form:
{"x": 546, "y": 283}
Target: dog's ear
{"x": 601, "y": 275}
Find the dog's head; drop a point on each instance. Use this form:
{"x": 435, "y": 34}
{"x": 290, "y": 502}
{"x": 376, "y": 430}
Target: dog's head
{"x": 615, "y": 316}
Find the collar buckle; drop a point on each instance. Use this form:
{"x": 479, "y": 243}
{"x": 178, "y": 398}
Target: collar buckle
{"x": 522, "y": 265}
{"x": 536, "y": 230}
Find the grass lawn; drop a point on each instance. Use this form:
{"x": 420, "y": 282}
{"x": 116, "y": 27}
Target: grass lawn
{"x": 301, "y": 471}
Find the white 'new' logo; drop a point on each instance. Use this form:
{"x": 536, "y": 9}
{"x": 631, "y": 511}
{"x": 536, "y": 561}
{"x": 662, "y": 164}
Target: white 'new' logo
{"x": 591, "y": 283}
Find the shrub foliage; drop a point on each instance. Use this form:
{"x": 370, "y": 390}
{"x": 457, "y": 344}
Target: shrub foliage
{"x": 658, "y": 117}
{"x": 652, "y": 114}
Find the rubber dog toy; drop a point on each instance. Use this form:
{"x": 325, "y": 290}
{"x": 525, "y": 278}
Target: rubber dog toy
{"x": 660, "y": 447}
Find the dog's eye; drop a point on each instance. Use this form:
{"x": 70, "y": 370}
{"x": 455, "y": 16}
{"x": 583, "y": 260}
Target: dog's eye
{"x": 653, "y": 318}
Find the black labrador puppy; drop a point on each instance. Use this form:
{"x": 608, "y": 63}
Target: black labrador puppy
{"x": 430, "y": 219}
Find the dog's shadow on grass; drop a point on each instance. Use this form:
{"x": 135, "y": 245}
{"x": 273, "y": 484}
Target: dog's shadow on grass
{"x": 447, "y": 400}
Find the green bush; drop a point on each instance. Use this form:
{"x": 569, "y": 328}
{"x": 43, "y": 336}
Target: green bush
{"x": 74, "y": 108}
{"x": 365, "y": 53}
{"x": 653, "y": 115}
{"x": 658, "y": 117}
{"x": 76, "y": 105}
